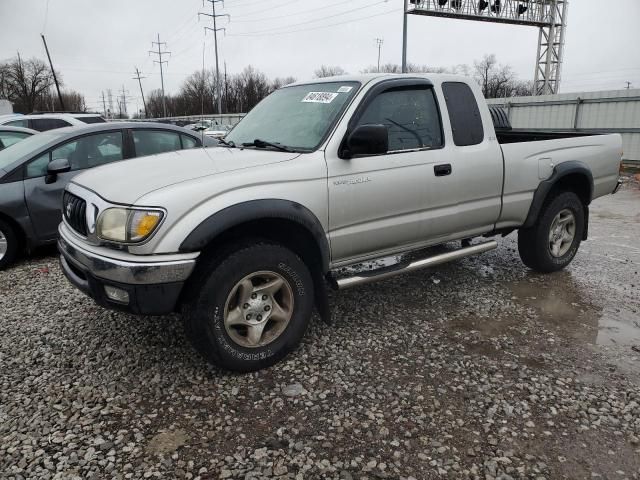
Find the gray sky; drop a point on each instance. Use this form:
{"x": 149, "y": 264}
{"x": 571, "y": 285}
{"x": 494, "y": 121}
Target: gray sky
{"x": 97, "y": 44}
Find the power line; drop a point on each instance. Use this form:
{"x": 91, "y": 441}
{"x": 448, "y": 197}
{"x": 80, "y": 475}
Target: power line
{"x": 256, "y": 12}
{"x": 160, "y": 53}
{"x": 315, "y": 28}
{"x": 277, "y": 17}
{"x": 339, "y": 14}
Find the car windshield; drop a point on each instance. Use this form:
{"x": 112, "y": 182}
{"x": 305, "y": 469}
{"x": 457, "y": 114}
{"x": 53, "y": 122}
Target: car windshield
{"x": 297, "y": 117}
{"x": 26, "y": 146}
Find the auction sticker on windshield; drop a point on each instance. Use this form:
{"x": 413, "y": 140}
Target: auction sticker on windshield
{"x": 319, "y": 97}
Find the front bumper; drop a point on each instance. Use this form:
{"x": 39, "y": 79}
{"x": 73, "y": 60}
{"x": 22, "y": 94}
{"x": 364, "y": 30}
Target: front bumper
{"x": 152, "y": 286}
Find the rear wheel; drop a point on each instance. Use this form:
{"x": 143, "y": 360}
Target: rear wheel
{"x": 8, "y": 245}
{"x": 250, "y": 308}
{"x": 554, "y": 239}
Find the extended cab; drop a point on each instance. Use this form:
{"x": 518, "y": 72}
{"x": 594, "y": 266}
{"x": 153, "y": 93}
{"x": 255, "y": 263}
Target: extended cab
{"x": 340, "y": 172}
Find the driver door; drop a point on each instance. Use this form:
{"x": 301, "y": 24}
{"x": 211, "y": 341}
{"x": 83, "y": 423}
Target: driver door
{"x": 377, "y": 203}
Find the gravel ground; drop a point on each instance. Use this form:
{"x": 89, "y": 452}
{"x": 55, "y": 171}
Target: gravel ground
{"x": 477, "y": 369}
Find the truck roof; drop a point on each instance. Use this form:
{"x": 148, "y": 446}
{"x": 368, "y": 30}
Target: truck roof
{"x": 365, "y": 78}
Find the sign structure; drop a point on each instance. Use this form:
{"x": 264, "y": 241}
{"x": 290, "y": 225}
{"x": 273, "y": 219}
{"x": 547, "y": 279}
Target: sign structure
{"x": 547, "y": 15}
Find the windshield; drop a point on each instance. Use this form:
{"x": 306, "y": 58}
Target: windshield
{"x": 26, "y": 146}
{"x": 297, "y": 117}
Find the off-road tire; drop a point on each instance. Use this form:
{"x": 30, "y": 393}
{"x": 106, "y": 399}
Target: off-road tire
{"x": 207, "y": 293}
{"x": 533, "y": 243}
{"x": 11, "y": 239}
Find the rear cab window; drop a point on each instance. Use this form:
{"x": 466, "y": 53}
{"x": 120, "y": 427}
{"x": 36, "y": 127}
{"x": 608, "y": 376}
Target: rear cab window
{"x": 464, "y": 114}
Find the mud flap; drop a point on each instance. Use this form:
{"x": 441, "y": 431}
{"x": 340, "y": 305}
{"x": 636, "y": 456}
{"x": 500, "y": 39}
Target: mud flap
{"x": 322, "y": 298}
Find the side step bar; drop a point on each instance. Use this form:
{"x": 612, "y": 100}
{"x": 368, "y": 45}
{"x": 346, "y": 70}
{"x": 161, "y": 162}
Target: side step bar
{"x": 372, "y": 276}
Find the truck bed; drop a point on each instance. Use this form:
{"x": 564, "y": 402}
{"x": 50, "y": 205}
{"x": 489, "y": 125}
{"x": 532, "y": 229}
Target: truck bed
{"x": 521, "y": 135}
{"x": 505, "y": 133}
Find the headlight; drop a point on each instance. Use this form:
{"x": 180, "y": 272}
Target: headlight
{"x": 127, "y": 225}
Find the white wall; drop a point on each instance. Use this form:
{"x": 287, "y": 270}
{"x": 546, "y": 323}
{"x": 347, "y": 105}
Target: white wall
{"x": 607, "y": 111}
{"x": 5, "y": 107}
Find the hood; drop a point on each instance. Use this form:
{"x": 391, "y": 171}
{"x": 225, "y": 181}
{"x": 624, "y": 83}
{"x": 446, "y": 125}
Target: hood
{"x": 128, "y": 180}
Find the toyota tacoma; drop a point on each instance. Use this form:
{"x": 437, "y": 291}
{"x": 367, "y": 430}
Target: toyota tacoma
{"x": 325, "y": 184}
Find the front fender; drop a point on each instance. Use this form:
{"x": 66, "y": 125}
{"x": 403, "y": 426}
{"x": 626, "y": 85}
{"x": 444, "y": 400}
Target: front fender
{"x": 244, "y": 212}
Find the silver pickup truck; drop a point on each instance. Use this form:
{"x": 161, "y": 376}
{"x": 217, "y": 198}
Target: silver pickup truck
{"x": 330, "y": 183}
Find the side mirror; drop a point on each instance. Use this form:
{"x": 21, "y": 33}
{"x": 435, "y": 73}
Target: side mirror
{"x": 367, "y": 140}
{"x": 55, "y": 167}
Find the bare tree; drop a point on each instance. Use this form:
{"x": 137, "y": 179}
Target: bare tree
{"x": 281, "y": 82}
{"x": 499, "y": 81}
{"x": 23, "y": 82}
{"x": 411, "y": 68}
{"x": 73, "y": 101}
{"x": 328, "y": 71}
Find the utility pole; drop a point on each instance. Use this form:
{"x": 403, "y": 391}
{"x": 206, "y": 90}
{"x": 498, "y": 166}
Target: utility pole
{"x": 160, "y": 53}
{"x": 215, "y": 31}
{"x": 139, "y": 78}
{"x": 226, "y": 89}
{"x": 110, "y": 97}
{"x": 104, "y": 106}
{"x": 379, "y": 41}
{"x": 404, "y": 36}
{"x": 53, "y": 72}
{"x": 124, "y": 101}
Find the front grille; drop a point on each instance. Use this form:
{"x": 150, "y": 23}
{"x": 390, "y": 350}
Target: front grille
{"x": 74, "y": 209}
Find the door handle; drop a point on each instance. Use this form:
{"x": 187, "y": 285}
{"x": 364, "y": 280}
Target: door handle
{"x": 442, "y": 170}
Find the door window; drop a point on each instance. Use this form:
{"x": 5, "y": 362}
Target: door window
{"x": 44, "y": 124}
{"x": 410, "y": 115}
{"x": 85, "y": 152}
{"x": 18, "y": 123}
{"x": 150, "y": 142}
{"x": 9, "y": 138}
{"x": 189, "y": 142}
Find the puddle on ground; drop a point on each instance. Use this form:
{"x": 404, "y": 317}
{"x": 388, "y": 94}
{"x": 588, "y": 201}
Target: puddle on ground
{"x": 560, "y": 302}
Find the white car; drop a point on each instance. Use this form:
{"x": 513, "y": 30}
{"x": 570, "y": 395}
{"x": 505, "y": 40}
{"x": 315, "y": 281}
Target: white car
{"x": 217, "y": 131}
{"x": 49, "y": 121}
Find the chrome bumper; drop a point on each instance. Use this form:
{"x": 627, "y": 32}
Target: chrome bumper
{"x": 126, "y": 272}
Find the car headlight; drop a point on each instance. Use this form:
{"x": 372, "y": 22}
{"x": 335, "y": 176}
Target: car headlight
{"x": 127, "y": 225}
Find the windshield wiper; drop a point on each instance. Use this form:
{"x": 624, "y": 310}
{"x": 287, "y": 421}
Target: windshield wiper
{"x": 230, "y": 144}
{"x": 264, "y": 144}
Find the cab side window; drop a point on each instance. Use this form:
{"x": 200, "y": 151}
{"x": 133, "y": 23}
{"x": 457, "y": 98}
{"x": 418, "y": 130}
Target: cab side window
{"x": 410, "y": 115}
{"x": 85, "y": 152}
{"x": 466, "y": 122}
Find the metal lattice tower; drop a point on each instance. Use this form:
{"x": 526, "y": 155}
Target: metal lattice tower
{"x": 550, "y": 16}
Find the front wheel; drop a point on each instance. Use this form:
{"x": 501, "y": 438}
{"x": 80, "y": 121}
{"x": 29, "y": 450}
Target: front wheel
{"x": 8, "y": 245}
{"x": 249, "y": 309}
{"x": 554, "y": 239}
